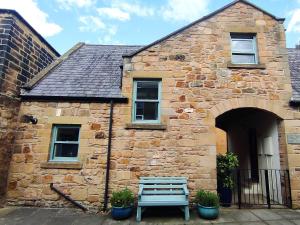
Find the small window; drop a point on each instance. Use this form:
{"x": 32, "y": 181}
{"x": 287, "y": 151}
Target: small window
{"x": 243, "y": 48}
{"x": 146, "y": 101}
{"x": 65, "y": 143}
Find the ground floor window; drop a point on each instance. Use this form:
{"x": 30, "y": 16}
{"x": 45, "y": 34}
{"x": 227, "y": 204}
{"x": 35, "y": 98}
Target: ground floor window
{"x": 65, "y": 143}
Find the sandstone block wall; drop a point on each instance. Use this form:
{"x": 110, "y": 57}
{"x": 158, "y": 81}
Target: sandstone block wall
{"x": 197, "y": 86}
{"x": 29, "y": 183}
{"x": 22, "y": 55}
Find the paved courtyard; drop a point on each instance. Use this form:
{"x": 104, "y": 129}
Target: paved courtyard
{"x": 43, "y": 216}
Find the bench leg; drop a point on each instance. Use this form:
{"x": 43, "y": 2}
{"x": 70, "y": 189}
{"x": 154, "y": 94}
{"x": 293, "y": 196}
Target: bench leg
{"x": 186, "y": 213}
{"x": 139, "y": 214}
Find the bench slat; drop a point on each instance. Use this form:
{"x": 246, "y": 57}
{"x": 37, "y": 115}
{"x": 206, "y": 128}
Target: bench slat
{"x": 163, "y": 186}
{"x": 163, "y": 198}
{"x": 169, "y": 178}
{"x": 154, "y": 203}
{"x": 163, "y": 181}
{"x": 163, "y": 192}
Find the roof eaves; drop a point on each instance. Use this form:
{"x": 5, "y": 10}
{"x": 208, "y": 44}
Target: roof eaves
{"x": 16, "y": 14}
{"x": 198, "y": 21}
{"x": 73, "y": 98}
{"x": 43, "y": 73}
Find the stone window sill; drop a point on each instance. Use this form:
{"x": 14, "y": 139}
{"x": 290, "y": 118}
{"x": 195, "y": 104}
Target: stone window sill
{"x": 146, "y": 126}
{"x": 62, "y": 165}
{"x": 245, "y": 66}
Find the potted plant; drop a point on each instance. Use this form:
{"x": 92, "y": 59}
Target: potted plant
{"x": 207, "y": 204}
{"x": 225, "y": 166}
{"x": 122, "y": 204}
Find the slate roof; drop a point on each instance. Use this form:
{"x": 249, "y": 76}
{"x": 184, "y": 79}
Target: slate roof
{"x": 91, "y": 71}
{"x": 294, "y": 61}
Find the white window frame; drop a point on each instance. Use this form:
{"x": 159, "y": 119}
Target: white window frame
{"x": 246, "y": 37}
{"x": 135, "y": 100}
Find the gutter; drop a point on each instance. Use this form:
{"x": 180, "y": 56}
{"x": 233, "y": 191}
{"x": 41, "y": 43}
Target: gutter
{"x": 73, "y": 99}
{"x": 108, "y": 155}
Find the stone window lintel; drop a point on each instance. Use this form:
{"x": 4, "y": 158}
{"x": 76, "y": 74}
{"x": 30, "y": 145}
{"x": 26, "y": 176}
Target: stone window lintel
{"x": 145, "y": 126}
{"x": 246, "y": 66}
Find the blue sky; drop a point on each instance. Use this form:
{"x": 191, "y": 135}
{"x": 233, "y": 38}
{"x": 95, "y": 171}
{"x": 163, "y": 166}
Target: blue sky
{"x": 65, "y": 22}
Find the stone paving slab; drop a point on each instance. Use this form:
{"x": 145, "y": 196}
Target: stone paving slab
{"x": 46, "y": 216}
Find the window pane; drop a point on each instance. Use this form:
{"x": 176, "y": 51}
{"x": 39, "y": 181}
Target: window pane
{"x": 65, "y": 150}
{"x": 146, "y": 111}
{"x": 243, "y": 59}
{"x": 67, "y": 134}
{"x": 242, "y": 45}
{"x": 147, "y": 90}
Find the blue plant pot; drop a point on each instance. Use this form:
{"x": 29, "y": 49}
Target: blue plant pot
{"x": 208, "y": 213}
{"x": 225, "y": 196}
{"x": 119, "y": 213}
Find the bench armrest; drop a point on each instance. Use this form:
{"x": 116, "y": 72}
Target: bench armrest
{"x": 186, "y": 191}
{"x": 141, "y": 188}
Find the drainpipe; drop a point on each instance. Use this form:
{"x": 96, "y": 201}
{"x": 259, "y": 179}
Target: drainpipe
{"x": 108, "y": 155}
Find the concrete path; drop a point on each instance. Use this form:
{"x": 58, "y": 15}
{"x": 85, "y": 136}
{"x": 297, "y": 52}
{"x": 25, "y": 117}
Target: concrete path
{"x": 43, "y": 216}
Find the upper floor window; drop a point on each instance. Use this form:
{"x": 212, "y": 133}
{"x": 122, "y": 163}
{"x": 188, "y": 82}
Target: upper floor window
{"x": 243, "y": 49}
{"x": 146, "y": 101}
{"x": 65, "y": 143}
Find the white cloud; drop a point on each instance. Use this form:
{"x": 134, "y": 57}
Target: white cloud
{"x": 114, "y": 13}
{"x": 184, "y": 10}
{"x": 91, "y": 23}
{"x": 108, "y": 36}
{"x": 134, "y": 8}
{"x": 121, "y": 10}
{"x": 68, "y": 4}
{"x": 294, "y": 24}
{"x": 37, "y": 18}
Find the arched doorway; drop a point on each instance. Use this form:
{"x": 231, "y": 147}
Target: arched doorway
{"x": 254, "y": 135}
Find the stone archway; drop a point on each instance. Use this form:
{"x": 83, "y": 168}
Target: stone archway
{"x": 239, "y": 117}
{"x": 250, "y": 102}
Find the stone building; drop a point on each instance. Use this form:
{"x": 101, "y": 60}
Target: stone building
{"x": 153, "y": 111}
{"x": 23, "y": 53}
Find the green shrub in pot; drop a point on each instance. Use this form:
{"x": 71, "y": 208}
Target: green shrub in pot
{"x": 207, "y": 204}
{"x": 122, "y": 204}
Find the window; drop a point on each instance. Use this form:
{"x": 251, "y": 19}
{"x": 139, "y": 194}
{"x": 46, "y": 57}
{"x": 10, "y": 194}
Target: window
{"x": 243, "y": 48}
{"x": 146, "y": 101}
{"x": 65, "y": 143}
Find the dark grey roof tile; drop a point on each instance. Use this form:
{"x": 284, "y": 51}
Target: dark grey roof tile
{"x": 91, "y": 71}
{"x": 294, "y": 62}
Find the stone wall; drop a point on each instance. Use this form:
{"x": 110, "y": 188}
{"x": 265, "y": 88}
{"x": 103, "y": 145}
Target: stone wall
{"x": 22, "y": 55}
{"x": 198, "y": 85}
{"x": 30, "y": 175}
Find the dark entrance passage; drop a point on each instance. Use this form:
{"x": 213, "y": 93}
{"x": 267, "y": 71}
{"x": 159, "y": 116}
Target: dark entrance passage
{"x": 262, "y": 178}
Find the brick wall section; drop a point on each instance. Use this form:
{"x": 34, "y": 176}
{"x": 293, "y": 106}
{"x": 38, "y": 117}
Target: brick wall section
{"x": 22, "y": 55}
{"x": 195, "y": 76}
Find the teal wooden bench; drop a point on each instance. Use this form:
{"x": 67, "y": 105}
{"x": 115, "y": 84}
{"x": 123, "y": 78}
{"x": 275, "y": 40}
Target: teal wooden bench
{"x": 163, "y": 191}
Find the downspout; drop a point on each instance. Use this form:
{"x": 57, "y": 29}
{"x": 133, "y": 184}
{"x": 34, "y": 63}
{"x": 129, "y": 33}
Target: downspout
{"x": 108, "y": 155}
